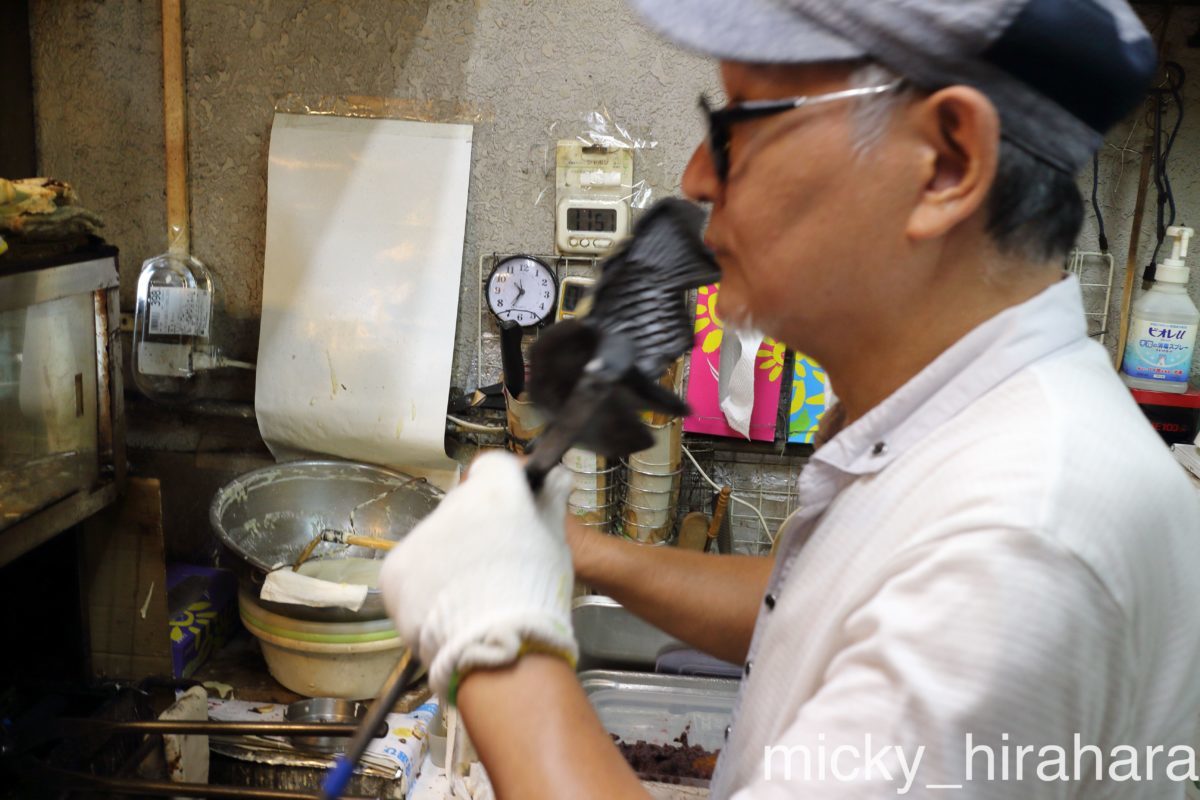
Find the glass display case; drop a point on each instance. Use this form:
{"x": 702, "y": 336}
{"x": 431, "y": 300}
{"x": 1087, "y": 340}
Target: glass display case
{"x": 61, "y": 418}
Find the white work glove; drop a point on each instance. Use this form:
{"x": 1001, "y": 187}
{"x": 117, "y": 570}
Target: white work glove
{"x": 487, "y": 576}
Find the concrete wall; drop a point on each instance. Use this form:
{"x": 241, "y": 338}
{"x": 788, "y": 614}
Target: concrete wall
{"x": 528, "y": 68}
{"x": 1120, "y": 167}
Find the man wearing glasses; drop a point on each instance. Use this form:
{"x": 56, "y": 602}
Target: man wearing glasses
{"x": 991, "y": 587}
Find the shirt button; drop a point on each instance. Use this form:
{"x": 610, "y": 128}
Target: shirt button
{"x": 879, "y": 449}
{"x": 770, "y": 601}
{"x": 747, "y": 669}
{"x": 728, "y": 728}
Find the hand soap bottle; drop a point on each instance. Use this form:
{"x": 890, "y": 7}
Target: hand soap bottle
{"x": 1162, "y": 328}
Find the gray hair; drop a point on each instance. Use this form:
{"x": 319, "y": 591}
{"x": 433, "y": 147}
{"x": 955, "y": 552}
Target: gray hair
{"x": 1034, "y": 210}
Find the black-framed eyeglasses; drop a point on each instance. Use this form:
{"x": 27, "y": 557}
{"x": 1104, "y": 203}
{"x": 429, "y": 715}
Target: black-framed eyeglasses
{"x": 720, "y": 120}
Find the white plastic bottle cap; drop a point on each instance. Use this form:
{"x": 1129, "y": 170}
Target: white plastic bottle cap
{"x": 1171, "y": 273}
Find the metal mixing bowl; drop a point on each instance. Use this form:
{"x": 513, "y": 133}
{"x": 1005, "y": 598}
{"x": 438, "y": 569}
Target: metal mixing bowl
{"x": 265, "y": 518}
{"x": 324, "y": 709}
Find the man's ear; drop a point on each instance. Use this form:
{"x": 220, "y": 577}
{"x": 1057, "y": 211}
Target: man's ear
{"x": 959, "y": 130}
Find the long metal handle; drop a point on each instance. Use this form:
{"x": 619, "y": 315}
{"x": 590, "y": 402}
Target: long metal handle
{"x": 212, "y": 727}
{"x": 339, "y": 776}
{"x": 512, "y": 360}
{"x": 135, "y": 786}
{"x": 565, "y": 431}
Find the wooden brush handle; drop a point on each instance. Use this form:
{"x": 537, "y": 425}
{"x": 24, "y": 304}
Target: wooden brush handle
{"x": 371, "y": 542}
{"x": 722, "y": 501}
{"x": 175, "y": 127}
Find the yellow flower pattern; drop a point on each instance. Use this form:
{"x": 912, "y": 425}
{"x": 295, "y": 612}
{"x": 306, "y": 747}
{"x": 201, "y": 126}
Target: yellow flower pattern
{"x": 809, "y": 399}
{"x": 709, "y": 323}
{"x": 707, "y": 319}
{"x": 771, "y": 355}
{"x": 195, "y": 618}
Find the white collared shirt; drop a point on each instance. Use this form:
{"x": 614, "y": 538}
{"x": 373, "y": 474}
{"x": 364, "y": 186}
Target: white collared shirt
{"x": 1003, "y": 549}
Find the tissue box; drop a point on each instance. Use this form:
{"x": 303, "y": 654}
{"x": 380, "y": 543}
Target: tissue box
{"x": 202, "y": 603}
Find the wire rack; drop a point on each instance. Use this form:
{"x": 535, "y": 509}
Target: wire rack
{"x": 1095, "y": 271}
{"x": 765, "y": 480}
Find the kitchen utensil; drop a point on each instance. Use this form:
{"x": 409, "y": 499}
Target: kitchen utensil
{"x": 327, "y": 712}
{"x": 720, "y": 523}
{"x": 651, "y": 485}
{"x": 354, "y": 670}
{"x": 610, "y": 636}
{"x": 693, "y": 531}
{"x": 511, "y": 358}
{"x": 67, "y": 727}
{"x": 334, "y": 727}
{"x": 402, "y": 674}
{"x": 350, "y": 660}
{"x": 175, "y": 129}
{"x": 594, "y": 374}
{"x": 264, "y": 518}
{"x": 341, "y": 537}
{"x": 595, "y": 378}
{"x": 253, "y": 612}
{"x": 658, "y": 708}
{"x": 688, "y": 661}
{"x": 102, "y": 786}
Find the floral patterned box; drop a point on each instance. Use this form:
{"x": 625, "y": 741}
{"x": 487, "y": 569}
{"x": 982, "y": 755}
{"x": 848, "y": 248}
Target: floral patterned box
{"x": 207, "y": 620}
{"x": 706, "y": 416}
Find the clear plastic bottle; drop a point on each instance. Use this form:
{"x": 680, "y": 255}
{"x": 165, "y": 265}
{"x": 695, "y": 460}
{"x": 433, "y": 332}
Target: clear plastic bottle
{"x": 1162, "y": 327}
{"x": 171, "y": 325}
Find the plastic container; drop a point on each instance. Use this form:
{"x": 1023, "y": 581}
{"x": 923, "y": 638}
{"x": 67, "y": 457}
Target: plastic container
{"x": 254, "y": 614}
{"x": 1162, "y": 327}
{"x": 352, "y": 671}
{"x": 171, "y": 325}
{"x": 659, "y": 708}
{"x": 349, "y": 660}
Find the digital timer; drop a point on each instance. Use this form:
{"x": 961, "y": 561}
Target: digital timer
{"x": 593, "y": 185}
{"x": 590, "y": 225}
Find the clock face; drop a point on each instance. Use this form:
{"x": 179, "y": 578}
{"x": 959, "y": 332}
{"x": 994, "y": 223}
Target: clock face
{"x": 522, "y": 289}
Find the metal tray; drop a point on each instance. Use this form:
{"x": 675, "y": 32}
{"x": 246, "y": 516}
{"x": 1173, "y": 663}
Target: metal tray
{"x": 610, "y": 636}
{"x": 658, "y": 708}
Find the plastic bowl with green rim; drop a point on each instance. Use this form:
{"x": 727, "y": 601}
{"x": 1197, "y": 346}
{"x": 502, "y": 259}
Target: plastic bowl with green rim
{"x": 349, "y": 660}
{"x": 255, "y": 615}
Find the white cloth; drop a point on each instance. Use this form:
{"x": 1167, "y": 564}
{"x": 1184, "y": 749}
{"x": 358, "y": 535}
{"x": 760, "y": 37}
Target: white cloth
{"x": 187, "y": 756}
{"x": 1003, "y": 548}
{"x": 486, "y": 574}
{"x": 735, "y": 381}
{"x": 286, "y": 586}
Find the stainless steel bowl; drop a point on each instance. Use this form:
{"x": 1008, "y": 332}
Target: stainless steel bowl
{"x": 611, "y": 637}
{"x": 265, "y": 518}
{"x": 328, "y": 710}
